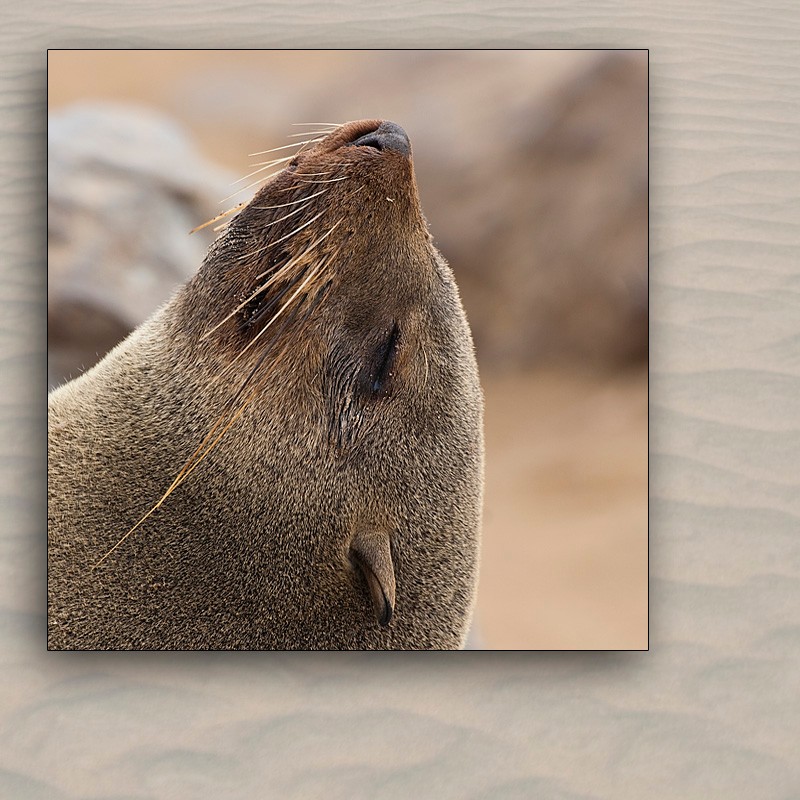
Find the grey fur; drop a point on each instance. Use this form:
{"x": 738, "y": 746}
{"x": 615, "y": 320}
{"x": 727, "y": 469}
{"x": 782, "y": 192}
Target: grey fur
{"x": 253, "y": 550}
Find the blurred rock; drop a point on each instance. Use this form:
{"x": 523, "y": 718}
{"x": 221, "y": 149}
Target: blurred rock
{"x": 125, "y": 187}
{"x": 545, "y": 221}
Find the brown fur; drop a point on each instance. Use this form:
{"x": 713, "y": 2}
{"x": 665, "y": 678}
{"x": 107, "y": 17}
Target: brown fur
{"x": 254, "y": 549}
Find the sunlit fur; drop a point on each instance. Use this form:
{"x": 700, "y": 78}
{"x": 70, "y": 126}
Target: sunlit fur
{"x": 207, "y": 477}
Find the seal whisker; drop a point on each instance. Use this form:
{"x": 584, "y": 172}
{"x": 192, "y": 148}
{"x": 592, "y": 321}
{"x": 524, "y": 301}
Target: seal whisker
{"x": 286, "y": 146}
{"x": 292, "y": 202}
{"x": 308, "y": 248}
{"x": 264, "y": 165}
{"x": 267, "y": 225}
{"x": 330, "y": 180}
{"x": 273, "y": 161}
{"x": 251, "y": 185}
{"x": 278, "y": 275}
{"x": 311, "y": 133}
{"x": 313, "y": 275}
{"x": 283, "y": 238}
{"x": 240, "y": 206}
{"x": 276, "y": 300}
{"x": 218, "y": 217}
{"x": 275, "y": 277}
{"x": 269, "y": 306}
{"x": 290, "y": 214}
{"x": 283, "y": 308}
{"x": 290, "y": 317}
{"x": 267, "y": 165}
{"x": 308, "y": 142}
{"x": 318, "y": 297}
{"x": 286, "y": 216}
{"x": 302, "y": 145}
{"x": 312, "y": 174}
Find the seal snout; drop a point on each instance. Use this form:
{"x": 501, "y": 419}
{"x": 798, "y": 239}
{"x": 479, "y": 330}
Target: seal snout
{"x": 387, "y": 136}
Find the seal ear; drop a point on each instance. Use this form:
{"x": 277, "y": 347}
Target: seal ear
{"x": 371, "y": 552}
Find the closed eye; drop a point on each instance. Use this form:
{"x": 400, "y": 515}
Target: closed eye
{"x": 383, "y": 361}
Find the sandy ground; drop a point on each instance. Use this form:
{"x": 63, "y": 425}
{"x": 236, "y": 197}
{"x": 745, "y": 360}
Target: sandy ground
{"x": 564, "y": 562}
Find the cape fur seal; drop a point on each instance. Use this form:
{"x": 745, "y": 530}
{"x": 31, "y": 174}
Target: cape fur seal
{"x": 289, "y": 454}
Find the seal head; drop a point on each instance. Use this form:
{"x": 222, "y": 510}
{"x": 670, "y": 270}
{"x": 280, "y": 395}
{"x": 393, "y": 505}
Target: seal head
{"x": 289, "y": 454}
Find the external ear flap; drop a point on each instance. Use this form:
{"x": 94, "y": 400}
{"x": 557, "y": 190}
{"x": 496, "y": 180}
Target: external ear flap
{"x": 371, "y": 552}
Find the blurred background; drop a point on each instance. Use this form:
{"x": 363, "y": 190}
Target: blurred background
{"x": 533, "y": 174}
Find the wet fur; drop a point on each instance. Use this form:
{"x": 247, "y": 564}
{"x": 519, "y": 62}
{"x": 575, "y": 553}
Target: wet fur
{"x": 252, "y": 551}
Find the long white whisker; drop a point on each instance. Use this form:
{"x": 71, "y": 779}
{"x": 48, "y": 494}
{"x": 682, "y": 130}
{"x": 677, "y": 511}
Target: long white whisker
{"x": 286, "y": 216}
{"x": 292, "y": 202}
{"x": 221, "y": 216}
{"x": 254, "y": 183}
{"x": 282, "y": 147}
{"x": 264, "y": 286}
{"x": 283, "y": 238}
{"x": 261, "y": 167}
{"x": 274, "y": 222}
{"x": 279, "y": 274}
{"x": 309, "y": 248}
{"x": 312, "y": 133}
{"x": 330, "y": 180}
{"x": 283, "y": 308}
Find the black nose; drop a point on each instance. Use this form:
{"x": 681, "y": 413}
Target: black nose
{"x": 387, "y": 136}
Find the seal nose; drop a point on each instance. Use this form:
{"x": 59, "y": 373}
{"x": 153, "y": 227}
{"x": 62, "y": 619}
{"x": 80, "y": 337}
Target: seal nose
{"x": 387, "y": 136}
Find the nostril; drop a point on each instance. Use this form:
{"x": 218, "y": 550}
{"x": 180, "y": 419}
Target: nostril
{"x": 388, "y": 136}
{"x": 370, "y": 140}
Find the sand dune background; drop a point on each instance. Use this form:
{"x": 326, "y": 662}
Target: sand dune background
{"x": 711, "y": 710}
